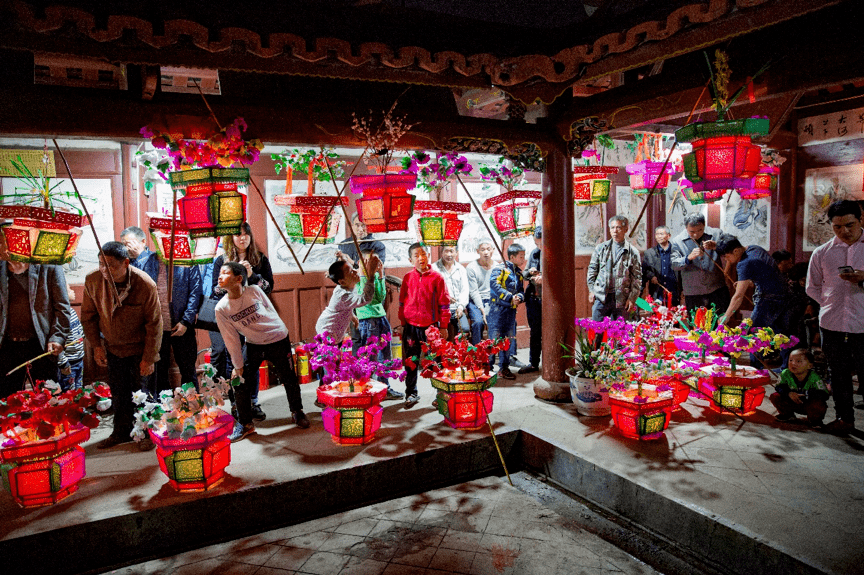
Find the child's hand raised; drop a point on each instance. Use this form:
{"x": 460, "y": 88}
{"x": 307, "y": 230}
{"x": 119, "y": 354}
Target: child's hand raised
{"x": 375, "y": 264}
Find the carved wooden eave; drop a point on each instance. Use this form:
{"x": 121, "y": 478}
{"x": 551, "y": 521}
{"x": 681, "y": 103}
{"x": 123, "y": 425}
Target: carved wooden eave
{"x": 528, "y": 77}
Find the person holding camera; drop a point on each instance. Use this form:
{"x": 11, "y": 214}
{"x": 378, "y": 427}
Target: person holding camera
{"x": 693, "y": 255}
{"x": 506, "y": 293}
{"x": 534, "y": 303}
{"x": 835, "y": 279}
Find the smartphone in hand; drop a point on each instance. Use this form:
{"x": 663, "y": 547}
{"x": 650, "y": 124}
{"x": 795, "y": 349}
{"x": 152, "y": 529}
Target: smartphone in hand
{"x": 846, "y": 270}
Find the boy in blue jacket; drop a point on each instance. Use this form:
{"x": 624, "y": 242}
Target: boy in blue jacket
{"x": 506, "y": 292}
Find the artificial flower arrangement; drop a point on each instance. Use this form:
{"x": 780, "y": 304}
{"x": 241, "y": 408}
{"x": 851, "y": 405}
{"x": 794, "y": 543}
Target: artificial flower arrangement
{"x": 351, "y": 372}
{"x": 433, "y": 176}
{"x": 313, "y": 163}
{"x": 650, "y": 380}
{"x": 599, "y": 346}
{"x": 181, "y": 413}
{"x": 38, "y": 190}
{"x": 225, "y": 148}
{"x": 456, "y": 360}
{"x": 46, "y": 411}
{"x": 506, "y": 174}
{"x": 380, "y": 136}
{"x": 733, "y": 341}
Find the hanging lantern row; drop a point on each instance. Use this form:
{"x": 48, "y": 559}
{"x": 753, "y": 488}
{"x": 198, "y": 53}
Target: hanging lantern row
{"x": 188, "y": 250}
{"x": 591, "y": 185}
{"x": 212, "y": 206}
{"x": 386, "y": 205}
{"x": 514, "y": 214}
{"x": 41, "y": 236}
{"x": 309, "y": 214}
{"x": 438, "y": 223}
{"x": 644, "y": 174}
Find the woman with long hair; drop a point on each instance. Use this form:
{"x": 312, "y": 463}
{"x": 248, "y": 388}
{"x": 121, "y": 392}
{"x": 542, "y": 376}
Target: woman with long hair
{"x": 240, "y": 248}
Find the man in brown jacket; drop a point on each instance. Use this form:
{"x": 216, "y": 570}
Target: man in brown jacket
{"x": 124, "y": 328}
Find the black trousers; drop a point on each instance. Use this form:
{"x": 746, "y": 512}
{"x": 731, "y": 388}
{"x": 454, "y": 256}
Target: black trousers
{"x": 844, "y": 353}
{"x": 279, "y": 354}
{"x": 412, "y": 337}
{"x": 534, "y": 309}
{"x": 124, "y": 377}
{"x": 185, "y": 348}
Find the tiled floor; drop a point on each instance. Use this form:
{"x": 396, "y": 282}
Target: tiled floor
{"x": 484, "y": 527}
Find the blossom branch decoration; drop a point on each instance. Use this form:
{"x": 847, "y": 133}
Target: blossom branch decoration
{"x": 340, "y": 364}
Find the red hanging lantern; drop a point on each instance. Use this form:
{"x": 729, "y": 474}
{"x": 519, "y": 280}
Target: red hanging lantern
{"x": 41, "y": 236}
{"x": 514, "y": 214}
{"x": 438, "y": 223}
{"x": 40, "y": 473}
{"x": 212, "y": 206}
{"x": 197, "y": 463}
{"x": 386, "y": 205}
{"x": 352, "y": 417}
{"x": 644, "y": 174}
{"x": 764, "y": 183}
{"x": 307, "y": 215}
{"x": 188, "y": 251}
{"x": 591, "y": 185}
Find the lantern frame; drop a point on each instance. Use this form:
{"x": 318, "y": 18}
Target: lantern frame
{"x": 642, "y": 421}
{"x": 352, "y": 417}
{"x": 188, "y": 250}
{"x": 386, "y": 205}
{"x": 741, "y": 393}
{"x": 307, "y": 216}
{"x": 644, "y": 174}
{"x": 438, "y": 223}
{"x": 513, "y": 213}
{"x": 211, "y": 205}
{"x": 764, "y": 183}
{"x": 39, "y": 235}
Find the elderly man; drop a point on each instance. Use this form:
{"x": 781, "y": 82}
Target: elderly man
{"x": 456, "y": 280}
{"x": 614, "y": 274}
{"x": 178, "y": 314}
{"x": 478, "y": 273}
{"x": 34, "y": 318}
{"x": 702, "y": 279}
{"x": 835, "y": 279}
{"x": 122, "y": 321}
{"x": 660, "y": 280}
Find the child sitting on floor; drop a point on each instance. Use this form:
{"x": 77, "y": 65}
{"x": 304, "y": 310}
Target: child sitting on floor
{"x": 800, "y": 390}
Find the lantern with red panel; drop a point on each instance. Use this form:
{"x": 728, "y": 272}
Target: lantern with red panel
{"x": 307, "y": 215}
{"x": 353, "y": 412}
{"x": 188, "y": 251}
{"x": 464, "y": 401}
{"x": 39, "y": 473}
{"x": 641, "y": 414}
{"x": 386, "y": 205}
{"x": 696, "y": 194}
{"x": 763, "y": 185}
{"x": 591, "y": 184}
{"x": 212, "y": 206}
{"x": 514, "y": 214}
{"x": 438, "y": 222}
{"x": 197, "y": 463}
{"x": 740, "y": 392}
{"x": 41, "y": 236}
{"x": 644, "y": 175}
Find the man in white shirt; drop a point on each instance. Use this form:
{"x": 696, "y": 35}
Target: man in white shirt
{"x": 457, "y": 286}
{"x": 246, "y": 310}
{"x": 478, "y": 273}
{"x": 835, "y": 279}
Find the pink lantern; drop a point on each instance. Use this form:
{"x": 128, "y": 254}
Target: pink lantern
{"x": 644, "y": 174}
{"x": 763, "y": 184}
{"x": 514, "y": 214}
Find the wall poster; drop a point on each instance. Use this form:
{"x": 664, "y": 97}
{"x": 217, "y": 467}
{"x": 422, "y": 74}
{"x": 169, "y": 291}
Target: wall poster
{"x": 822, "y": 186}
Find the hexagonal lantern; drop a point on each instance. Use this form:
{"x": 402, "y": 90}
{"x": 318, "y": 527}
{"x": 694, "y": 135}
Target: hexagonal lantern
{"x": 764, "y": 184}
{"x": 212, "y": 206}
{"x": 464, "y": 403}
{"x": 514, "y": 214}
{"x": 307, "y": 215}
{"x": 722, "y": 151}
{"x": 438, "y": 222}
{"x": 644, "y": 174}
{"x": 188, "y": 251}
{"x": 740, "y": 393}
{"x": 702, "y": 196}
{"x": 41, "y": 236}
{"x": 386, "y": 205}
{"x": 353, "y": 413}
{"x": 591, "y": 185}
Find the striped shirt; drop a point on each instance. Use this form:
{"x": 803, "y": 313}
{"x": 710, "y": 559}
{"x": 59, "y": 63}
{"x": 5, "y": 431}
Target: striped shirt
{"x": 74, "y": 351}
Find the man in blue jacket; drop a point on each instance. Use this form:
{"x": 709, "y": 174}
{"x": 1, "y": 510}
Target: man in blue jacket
{"x": 178, "y": 316}
{"x": 506, "y": 291}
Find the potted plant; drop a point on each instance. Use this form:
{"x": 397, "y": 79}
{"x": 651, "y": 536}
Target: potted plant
{"x": 513, "y": 213}
{"x": 46, "y": 225}
{"x": 598, "y": 353}
{"x": 460, "y": 371}
{"x": 41, "y": 461}
{"x": 438, "y": 222}
{"x": 310, "y": 217}
{"x": 353, "y": 412}
{"x": 189, "y": 430}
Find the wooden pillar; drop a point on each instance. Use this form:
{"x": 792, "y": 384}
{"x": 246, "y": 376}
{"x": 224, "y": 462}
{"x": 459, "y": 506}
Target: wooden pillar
{"x": 559, "y": 264}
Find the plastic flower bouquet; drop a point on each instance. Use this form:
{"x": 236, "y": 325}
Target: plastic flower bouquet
{"x": 181, "y": 413}
{"x": 354, "y": 370}
{"x": 506, "y": 174}
{"x": 733, "y": 341}
{"x": 456, "y": 360}
{"x": 433, "y": 176}
{"x": 313, "y": 163}
{"x": 47, "y": 412}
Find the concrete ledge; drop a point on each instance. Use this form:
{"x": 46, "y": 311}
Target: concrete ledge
{"x": 726, "y": 546}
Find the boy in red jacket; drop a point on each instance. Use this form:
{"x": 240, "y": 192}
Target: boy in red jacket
{"x": 423, "y": 301}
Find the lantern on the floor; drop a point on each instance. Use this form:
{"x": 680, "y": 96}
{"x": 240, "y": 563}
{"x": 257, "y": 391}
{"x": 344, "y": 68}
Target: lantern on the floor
{"x": 514, "y": 214}
{"x": 438, "y": 222}
{"x": 644, "y": 174}
{"x": 353, "y": 413}
{"x": 307, "y": 215}
{"x": 212, "y": 206}
{"x": 188, "y": 251}
{"x": 40, "y": 473}
{"x": 642, "y": 415}
{"x": 197, "y": 463}
{"x": 464, "y": 401}
{"x": 763, "y": 185}
{"x": 591, "y": 185}
{"x": 386, "y": 205}
{"x": 40, "y": 236}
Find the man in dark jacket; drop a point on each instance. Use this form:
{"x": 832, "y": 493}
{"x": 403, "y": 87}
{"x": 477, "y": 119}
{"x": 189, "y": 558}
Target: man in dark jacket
{"x": 533, "y": 303}
{"x": 34, "y": 318}
{"x": 178, "y": 315}
{"x": 658, "y": 278}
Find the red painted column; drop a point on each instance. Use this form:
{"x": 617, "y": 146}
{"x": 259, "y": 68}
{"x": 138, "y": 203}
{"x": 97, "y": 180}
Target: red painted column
{"x": 559, "y": 264}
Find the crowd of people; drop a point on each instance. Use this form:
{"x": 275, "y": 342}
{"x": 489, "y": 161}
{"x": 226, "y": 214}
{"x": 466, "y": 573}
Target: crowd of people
{"x": 134, "y": 328}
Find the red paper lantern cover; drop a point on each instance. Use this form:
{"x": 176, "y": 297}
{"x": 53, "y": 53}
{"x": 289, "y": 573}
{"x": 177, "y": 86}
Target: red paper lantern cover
{"x": 385, "y": 206}
{"x": 513, "y": 214}
{"x": 438, "y": 223}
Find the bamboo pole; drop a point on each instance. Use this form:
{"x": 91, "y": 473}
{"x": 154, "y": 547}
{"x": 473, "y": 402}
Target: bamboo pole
{"x": 495, "y": 440}
{"x": 482, "y": 219}
{"x": 347, "y": 220}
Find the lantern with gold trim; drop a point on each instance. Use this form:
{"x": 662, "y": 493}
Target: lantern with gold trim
{"x": 764, "y": 183}
{"x": 188, "y": 250}
{"x": 722, "y": 151}
{"x": 307, "y": 215}
{"x": 39, "y": 235}
{"x": 353, "y": 412}
{"x": 464, "y": 400}
{"x": 438, "y": 222}
{"x": 696, "y": 195}
{"x": 386, "y": 205}
{"x": 591, "y": 184}
{"x": 197, "y": 463}
{"x": 212, "y": 206}
{"x": 514, "y": 214}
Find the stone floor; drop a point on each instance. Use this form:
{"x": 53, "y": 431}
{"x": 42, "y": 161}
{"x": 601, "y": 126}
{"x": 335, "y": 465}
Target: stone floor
{"x": 483, "y": 527}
